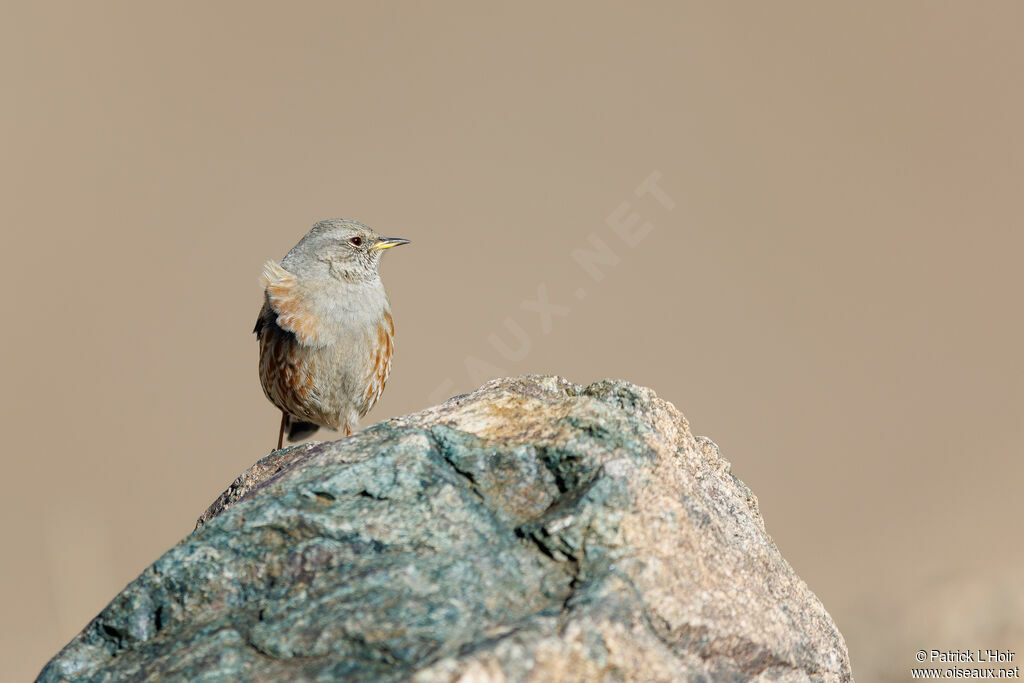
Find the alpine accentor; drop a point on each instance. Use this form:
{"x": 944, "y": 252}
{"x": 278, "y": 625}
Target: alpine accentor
{"x": 325, "y": 331}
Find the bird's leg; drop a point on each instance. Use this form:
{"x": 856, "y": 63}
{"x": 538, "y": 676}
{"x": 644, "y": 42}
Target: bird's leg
{"x": 280, "y": 434}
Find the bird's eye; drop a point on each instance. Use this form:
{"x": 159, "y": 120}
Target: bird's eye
{"x": 356, "y": 241}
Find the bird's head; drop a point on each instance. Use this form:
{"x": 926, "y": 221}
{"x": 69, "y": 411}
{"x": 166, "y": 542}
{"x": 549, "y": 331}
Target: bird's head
{"x": 341, "y": 248}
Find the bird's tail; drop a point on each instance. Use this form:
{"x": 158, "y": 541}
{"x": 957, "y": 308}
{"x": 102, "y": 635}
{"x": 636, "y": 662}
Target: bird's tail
{"x": 298, "y": 430}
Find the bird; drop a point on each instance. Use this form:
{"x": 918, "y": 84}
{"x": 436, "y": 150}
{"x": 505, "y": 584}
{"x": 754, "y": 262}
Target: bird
{"x": 325, "y": 331}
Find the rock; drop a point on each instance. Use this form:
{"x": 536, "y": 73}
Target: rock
{"x": 531, "y": 530}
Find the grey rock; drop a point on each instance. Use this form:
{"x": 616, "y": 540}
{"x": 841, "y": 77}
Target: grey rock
{"x": 531, "y": 530}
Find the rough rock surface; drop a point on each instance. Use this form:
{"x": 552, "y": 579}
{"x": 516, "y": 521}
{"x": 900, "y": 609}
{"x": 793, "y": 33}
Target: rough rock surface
{"x": 531, "y": 530}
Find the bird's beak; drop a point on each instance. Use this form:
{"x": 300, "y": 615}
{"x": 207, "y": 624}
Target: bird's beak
{"x": 388, "y": 242}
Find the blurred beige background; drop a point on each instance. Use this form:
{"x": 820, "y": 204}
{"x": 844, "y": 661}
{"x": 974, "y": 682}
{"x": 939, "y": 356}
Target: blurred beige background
{"x": 834, "y": 295}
